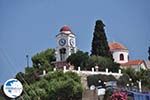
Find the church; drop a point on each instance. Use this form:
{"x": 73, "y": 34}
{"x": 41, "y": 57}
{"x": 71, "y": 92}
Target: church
{"x": 121, "y": 55}
{"x": 66, "y": 45}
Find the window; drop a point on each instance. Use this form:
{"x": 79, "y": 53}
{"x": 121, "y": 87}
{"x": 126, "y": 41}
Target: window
{"x": 72, "y": 51}
{"x": 62, "y": 54}
{"x": 121, "y": 57}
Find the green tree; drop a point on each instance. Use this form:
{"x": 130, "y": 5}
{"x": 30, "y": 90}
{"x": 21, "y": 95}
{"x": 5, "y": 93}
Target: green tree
{"x": 41, "y": 61}
{"x": 31, "y": 74}
{"x": 131, "y": 73}
{"x": 44, "y": 58}
{"x": 103, "y": 63}
{"x": 36, "y": 91}
{"x": 79, "y": 58}
{"x": 99, "y": 43}
{"x": 123, "y": 80}
{"x": 143, "y": 75}
{"x": 64, "y": 86}
{"x": 55, "y": 86}
{"x": 21, "y": 77}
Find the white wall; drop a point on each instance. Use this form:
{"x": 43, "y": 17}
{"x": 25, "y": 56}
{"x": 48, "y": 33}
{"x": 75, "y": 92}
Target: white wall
{"x": 135, "y": 67}
{"x": 68, "y": 47}
{"x": 116, "y": 56}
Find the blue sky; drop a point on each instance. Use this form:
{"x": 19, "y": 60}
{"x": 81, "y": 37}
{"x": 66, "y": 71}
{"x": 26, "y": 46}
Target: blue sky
{"x": 30, "y": 26}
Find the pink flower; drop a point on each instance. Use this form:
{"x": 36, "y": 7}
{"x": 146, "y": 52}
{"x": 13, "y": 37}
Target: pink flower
{"x": 118, "y": 95}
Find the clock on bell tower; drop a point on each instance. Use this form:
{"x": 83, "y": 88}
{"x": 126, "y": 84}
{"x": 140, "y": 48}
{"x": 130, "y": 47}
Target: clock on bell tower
{"x": 66, "y": 43}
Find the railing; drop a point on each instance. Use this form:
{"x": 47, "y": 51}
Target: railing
{"x": 93, "y": 72}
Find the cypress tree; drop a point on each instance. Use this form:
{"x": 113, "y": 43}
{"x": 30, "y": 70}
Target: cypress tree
{"x": 99, "y": 43}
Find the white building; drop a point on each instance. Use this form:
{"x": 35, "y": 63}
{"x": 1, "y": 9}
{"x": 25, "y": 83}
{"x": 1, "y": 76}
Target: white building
{"x": 121, "y": 55}
{"x": 137, "y": 65}
{"x": 119, "y": 52}
{"x": 66, "y": 45}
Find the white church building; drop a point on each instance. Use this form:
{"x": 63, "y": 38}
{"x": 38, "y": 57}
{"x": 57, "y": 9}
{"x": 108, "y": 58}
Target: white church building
{"x": 121, "y": 55}
{"x": 66, "y": 45}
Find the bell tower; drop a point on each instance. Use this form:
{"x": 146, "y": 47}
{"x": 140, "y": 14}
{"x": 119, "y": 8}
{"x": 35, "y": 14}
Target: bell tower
{"x": 66, "y": 43}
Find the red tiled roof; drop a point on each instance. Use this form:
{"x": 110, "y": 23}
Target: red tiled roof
{"x": 116, "y": 46}
{"x": 65, "y": 28}
{"x": 133, "y": 62}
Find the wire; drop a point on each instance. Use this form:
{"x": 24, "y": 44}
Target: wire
{"x": 10, "y": 63}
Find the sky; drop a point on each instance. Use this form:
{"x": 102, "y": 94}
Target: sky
{"x": 30, "y": 26}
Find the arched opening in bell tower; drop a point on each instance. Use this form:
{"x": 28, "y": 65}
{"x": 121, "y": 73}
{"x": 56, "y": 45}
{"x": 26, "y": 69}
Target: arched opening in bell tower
{"x": 62, "y": 54}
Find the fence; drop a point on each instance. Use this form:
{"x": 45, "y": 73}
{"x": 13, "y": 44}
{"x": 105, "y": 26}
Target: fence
{"x": 93, "y": 72}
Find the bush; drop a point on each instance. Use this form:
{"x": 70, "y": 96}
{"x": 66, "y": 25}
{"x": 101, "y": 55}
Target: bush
{"x": 78, "y": 59}
{"x": 54, "y": 86}
{"x": 94, "y": 79}
{"x": 103, "y": 63}
{"x": 123, "y": 80}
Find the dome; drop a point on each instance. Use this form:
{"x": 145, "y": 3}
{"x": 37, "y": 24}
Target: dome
{"x": 65, "y": 28}
{"x": 116, "y": 46}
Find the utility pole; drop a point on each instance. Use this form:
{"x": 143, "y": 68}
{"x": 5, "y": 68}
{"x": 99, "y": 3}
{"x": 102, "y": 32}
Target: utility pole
{"x": 27, "y": 56}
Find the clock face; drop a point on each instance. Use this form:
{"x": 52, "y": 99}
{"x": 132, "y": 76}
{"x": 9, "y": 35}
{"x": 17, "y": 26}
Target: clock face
{"x": 62, "y": 42}
{"x": 71, "y": 42}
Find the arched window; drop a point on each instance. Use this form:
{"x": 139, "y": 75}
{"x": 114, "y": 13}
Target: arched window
{"x": 62, "y": 54}
{"x": 121, "y": 57}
